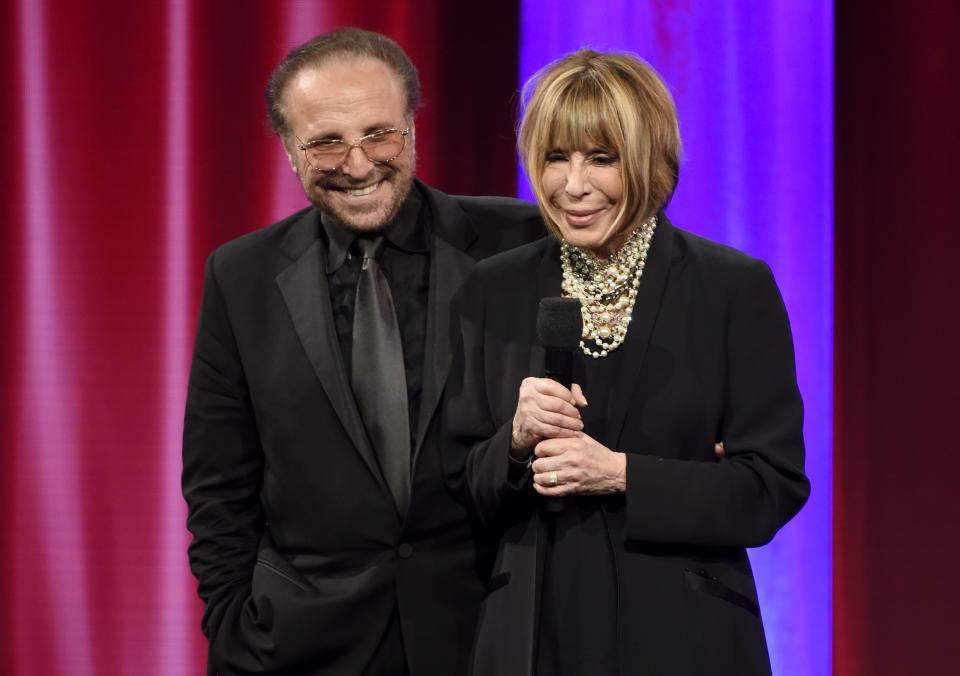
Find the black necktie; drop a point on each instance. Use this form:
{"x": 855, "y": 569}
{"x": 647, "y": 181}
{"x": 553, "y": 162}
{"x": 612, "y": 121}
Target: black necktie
{"x": 377, "y": 373}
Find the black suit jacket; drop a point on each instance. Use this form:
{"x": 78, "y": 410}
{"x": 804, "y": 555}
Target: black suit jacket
{"x": 710, "y": 358}
{"x": 298, "y": 548}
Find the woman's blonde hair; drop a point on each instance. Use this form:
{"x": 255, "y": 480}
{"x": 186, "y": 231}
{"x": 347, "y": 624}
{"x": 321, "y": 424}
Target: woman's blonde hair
{"x": 615, "y": 101}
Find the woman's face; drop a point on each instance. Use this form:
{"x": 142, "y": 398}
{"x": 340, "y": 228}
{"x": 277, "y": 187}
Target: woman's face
{"x": 584, "y": 189}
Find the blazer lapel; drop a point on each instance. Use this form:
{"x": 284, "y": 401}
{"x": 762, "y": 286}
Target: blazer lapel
{"x": 645, "y": 311}
{"x": 303, "y": 285}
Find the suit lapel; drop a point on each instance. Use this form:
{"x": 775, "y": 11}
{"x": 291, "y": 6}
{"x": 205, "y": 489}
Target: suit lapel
{"x": 303, "y": 285}
{"x": 452, "y": 235}
{"x": 449, "y": 268}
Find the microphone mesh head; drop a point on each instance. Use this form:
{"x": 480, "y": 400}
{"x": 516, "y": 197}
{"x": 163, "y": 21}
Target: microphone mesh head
{"x": 559, "y": 323}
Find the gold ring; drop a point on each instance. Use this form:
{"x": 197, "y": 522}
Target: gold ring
{"x": 553, "y": 478}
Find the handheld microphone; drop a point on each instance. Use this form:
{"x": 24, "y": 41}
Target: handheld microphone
{"x": 559, "y": 325}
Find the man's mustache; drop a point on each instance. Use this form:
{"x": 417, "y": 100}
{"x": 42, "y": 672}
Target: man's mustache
{"x": 338, "y": 181}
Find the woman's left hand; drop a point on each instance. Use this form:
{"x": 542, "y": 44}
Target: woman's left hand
{"x": 578, "y": 465}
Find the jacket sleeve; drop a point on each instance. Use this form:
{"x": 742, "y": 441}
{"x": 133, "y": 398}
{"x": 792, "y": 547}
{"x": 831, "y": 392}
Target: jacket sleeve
{"x": 476, "y": 448}
{"x": 222, "y": 466}
{"x": 745, "y": 498}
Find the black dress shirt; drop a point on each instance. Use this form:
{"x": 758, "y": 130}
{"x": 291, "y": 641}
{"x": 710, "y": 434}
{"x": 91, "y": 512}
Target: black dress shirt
{"x": 405, "y": 261}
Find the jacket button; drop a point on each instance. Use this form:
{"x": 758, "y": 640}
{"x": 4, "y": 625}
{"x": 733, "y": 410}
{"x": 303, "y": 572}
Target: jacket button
{"x": 405, "y": 550}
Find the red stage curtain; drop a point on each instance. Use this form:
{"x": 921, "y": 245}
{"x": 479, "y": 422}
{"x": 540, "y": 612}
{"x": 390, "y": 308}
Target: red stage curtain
{"x": 897, "y": 337}
{"x": 133, "y": 142}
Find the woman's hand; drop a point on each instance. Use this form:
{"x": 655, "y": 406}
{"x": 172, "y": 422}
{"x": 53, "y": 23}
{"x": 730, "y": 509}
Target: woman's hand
{"x": 545, "y": 409}
{"x": 578, "y": 465}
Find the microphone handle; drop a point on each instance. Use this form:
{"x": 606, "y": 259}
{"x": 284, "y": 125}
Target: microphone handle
{"x": 558, "y": 367}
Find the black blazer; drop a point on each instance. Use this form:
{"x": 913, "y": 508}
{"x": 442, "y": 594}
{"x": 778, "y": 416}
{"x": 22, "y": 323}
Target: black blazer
{"x": 710, "y": 358}
{"x": 298, "y": 548}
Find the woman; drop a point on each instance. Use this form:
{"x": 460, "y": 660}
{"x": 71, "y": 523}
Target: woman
{"x": 686, "y": 346}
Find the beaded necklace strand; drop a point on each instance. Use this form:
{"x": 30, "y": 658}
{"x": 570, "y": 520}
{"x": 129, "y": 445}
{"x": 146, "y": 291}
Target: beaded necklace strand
{"x": 606, "y": 289}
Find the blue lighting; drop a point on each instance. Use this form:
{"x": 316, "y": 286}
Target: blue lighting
{"x": 753, "y": 82}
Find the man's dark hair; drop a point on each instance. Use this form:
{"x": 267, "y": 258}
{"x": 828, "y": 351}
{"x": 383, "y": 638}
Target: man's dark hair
{"x": 339, "y": 43}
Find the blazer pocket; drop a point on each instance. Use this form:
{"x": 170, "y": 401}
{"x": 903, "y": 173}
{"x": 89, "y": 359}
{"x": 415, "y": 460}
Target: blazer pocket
{"x": 290, "y": 577}
{"x": 495, "y": 582}
{"x": 702, "y": 581}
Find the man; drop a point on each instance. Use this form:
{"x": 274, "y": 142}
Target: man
{"x": 325, "y": 541}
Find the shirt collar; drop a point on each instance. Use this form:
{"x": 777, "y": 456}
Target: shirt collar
{"x": 407, "y": 232}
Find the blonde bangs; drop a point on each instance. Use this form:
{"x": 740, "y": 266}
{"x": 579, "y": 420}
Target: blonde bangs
{"x": 582, "y": 118}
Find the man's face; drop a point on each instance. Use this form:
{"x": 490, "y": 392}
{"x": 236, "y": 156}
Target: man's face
{"x": 348, "y": 99}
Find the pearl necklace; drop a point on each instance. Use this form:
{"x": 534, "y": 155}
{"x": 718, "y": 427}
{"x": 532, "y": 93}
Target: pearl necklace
{"x": 606, "y": 289}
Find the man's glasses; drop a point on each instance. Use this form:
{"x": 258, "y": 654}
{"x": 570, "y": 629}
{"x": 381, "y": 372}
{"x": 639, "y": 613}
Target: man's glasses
{"x": 379, "y": 147}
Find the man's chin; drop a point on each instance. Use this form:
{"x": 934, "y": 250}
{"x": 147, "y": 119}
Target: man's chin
{"x": 363, "y": 225}
{"x": 372, "y": 219}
